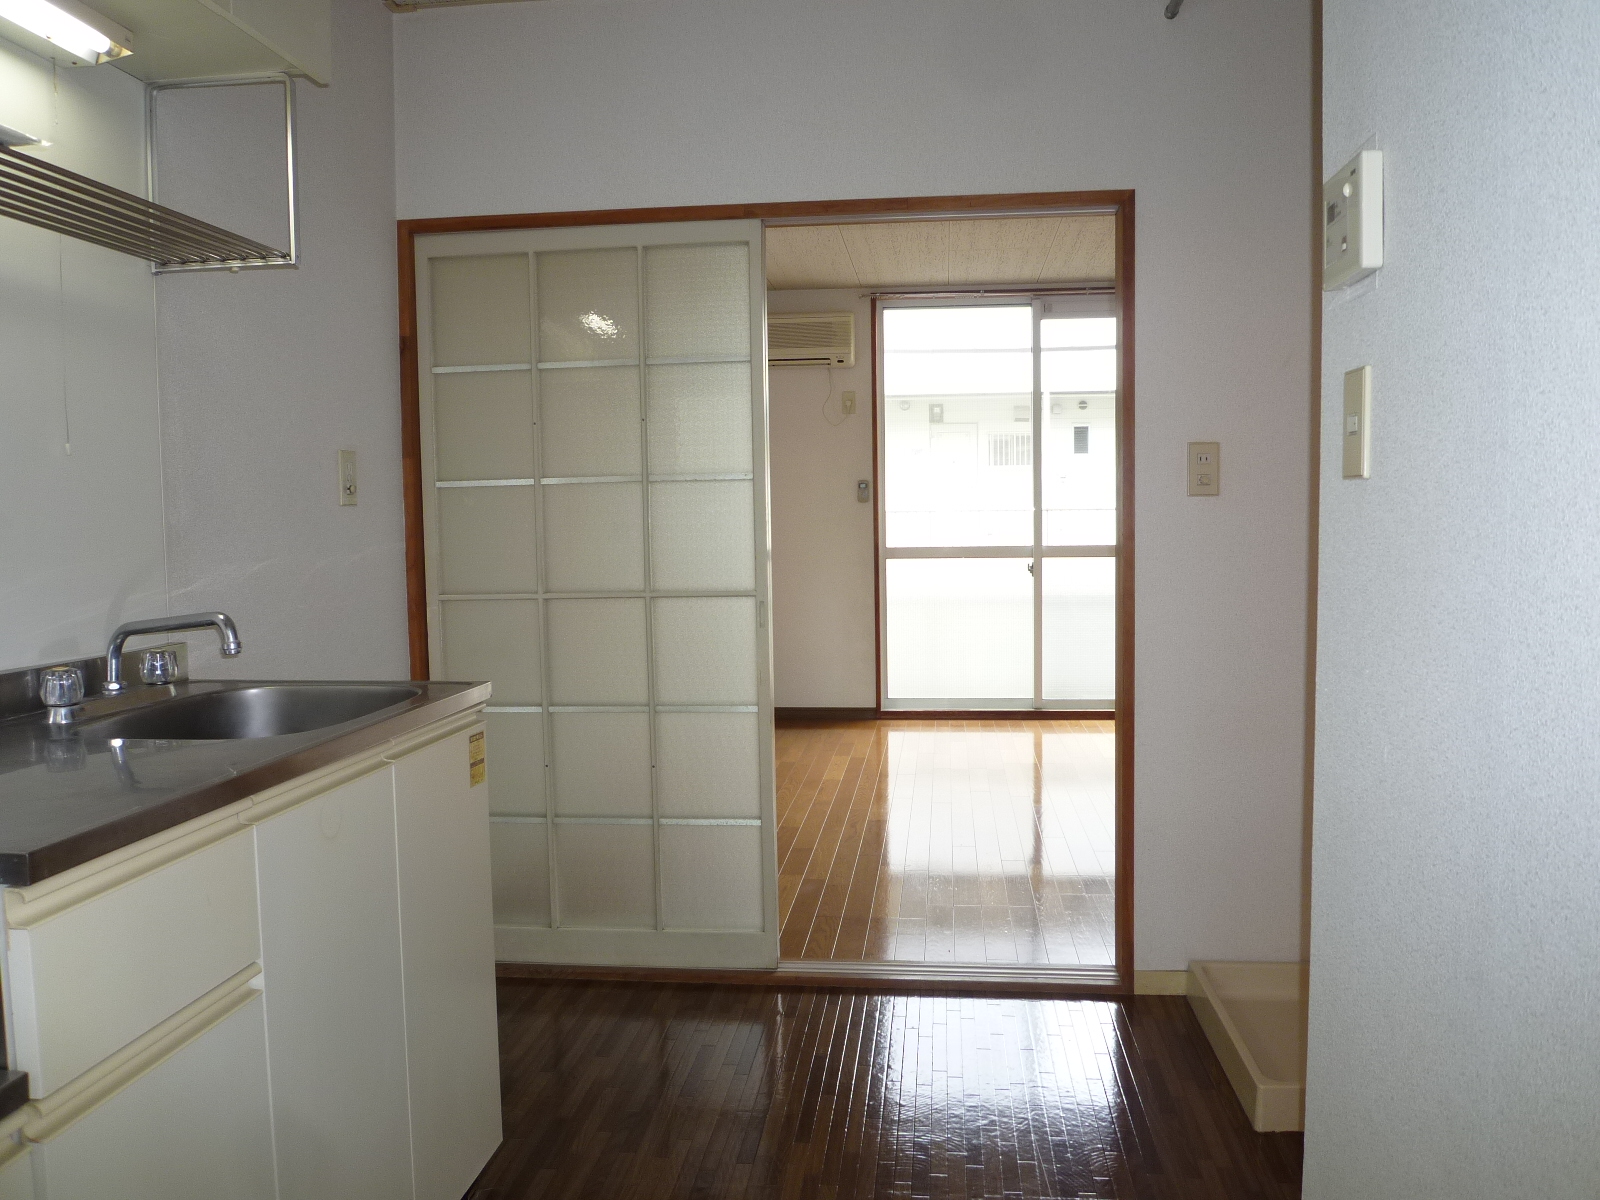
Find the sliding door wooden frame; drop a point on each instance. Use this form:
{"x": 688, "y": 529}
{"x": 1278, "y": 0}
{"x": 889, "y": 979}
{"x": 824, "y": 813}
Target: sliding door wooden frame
{"x": 1119, "y": 203}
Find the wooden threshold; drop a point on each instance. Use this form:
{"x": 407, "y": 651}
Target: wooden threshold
{"x": 997, "y": 714}
{"x": 786, "y": 716}
{"x": 944, "y": 980}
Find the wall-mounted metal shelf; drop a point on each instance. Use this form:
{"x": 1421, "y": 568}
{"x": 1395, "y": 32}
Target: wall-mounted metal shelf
{"x": 51, "y": 197}
{"x": 291, "y": 170}
{"x": 41, "y": 193}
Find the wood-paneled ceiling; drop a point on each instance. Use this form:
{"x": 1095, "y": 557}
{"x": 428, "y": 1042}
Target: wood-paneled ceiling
{"x": 1068, "y": 249}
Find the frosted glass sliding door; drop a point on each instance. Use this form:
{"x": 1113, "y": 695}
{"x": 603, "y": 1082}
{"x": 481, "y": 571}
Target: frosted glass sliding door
{"x": 594, "y": 443}
{"x": 998, "y": 437}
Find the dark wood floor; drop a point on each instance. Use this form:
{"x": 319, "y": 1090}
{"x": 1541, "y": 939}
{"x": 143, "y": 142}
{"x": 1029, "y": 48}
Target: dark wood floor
{"x": 649, "y": 1090}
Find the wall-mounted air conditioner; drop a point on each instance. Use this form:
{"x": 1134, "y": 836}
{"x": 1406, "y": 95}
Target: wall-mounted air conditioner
{"x": 811, "y": 339}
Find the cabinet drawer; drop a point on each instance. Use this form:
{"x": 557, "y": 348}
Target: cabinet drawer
{"x": 16, "y": 1178}
{"x": 88, "y": 981}
{"x": 196, "y": 1127}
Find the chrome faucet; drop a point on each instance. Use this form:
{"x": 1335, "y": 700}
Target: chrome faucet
{"x": 222, "y": 622}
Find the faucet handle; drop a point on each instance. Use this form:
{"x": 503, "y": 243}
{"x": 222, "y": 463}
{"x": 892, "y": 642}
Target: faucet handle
{"x": 158, "y": 666}
{"x": 61, "y": 687}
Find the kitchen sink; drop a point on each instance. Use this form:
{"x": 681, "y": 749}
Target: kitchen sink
{"x": 253, "y": 711}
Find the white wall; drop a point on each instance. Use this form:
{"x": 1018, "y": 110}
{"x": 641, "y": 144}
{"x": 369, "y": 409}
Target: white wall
{"x": 265, "y": 375}
{"x": 1456, "y": 869}
{"x": 580, "y": 104}
{"x": 81, "y": 537}
{"x": 823, "y": 556}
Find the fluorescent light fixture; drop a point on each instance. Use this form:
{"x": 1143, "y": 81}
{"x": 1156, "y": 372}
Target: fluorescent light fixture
{"x": 15, "y": 137}
{"x": 68, "y": 31}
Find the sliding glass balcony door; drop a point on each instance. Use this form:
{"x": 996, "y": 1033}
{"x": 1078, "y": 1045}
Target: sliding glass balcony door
{"x": 998, "y": 521}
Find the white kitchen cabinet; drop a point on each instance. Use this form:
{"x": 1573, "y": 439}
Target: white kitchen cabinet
{"x": 89, "y": 980}
{"x": 16, "y": 1177}
{"x": 196, "y": 1127}
{"x": 447, "y": 935}
{"x": 330, "y": 956}
{"x": 289, "y": 999}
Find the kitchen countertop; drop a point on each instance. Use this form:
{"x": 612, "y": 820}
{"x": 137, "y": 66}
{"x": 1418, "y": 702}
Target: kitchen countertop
{"x": 67, "y": 796}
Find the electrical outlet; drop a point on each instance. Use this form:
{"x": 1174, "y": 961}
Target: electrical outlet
{"x": 347, "y": 477}
{"x": 847, "y": 403}
{"x": 1205, "y": 468}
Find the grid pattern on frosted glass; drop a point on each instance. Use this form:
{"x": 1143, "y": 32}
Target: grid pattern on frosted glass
{"x": 708, "y": 764}
{"x": 701, "y": 535}
{"x": 588, "y": 305}
{"x": 590, "y": 421}
{"x": 697, "y": 301}
{"x": 705, "y": 650}
{"x": 515, "y": 746}
{"x": 519, "y": 870}
{"x": 711, "y": 877}
{"x": 1080, "y": 629}
{"x": 494, "y": 640}
{"x": 486, "y": 540}
{"x": 600, "y": 764}
{"x": 594, "y": 537}
{"x": 480, "y": 310}
{"x": 959, "y": 627}
{"x": 483, "y": 425}
{"x": 699, "y": 418}
{"x": 570, "y": 790}
{"x": 605, "y": 876}
{"x": 597, "y": 651}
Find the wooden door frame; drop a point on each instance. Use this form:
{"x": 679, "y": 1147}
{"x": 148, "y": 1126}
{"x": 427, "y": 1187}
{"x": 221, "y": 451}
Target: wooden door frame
{"x": 1120, "y": 203}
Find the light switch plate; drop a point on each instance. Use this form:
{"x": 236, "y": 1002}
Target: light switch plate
{"x": 347, "y": 477}
{"x": 1352, "y": 221}
{"x": 1358, "y": 423}
{"x": 1205, "y": 468}
{"x": 847, "y": 403}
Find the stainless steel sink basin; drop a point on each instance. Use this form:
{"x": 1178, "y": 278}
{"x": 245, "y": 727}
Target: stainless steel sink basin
{"x": 258, "y": 711}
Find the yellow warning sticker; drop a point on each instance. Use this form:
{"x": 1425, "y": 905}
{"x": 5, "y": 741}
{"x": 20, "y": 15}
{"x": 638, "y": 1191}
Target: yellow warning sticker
{"x": 477, "y": 765}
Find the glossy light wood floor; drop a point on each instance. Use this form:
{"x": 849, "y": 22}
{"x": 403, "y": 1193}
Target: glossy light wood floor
{"x": 947, "y": 841}
{"x": 645, "y": 1090}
